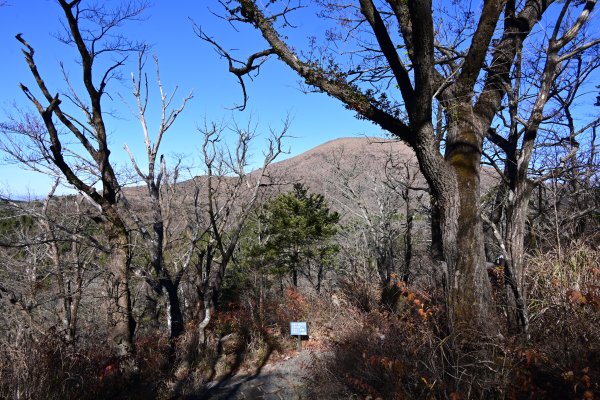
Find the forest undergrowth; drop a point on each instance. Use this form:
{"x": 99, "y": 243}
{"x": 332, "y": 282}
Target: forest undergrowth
{"x": 368, "y": 349}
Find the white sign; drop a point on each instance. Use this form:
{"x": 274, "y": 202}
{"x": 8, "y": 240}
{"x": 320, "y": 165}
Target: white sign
{"x": 298, "y": 329}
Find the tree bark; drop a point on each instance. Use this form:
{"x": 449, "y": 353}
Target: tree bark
{"x": 174, "y": 313}
{"x": 408, "y": 250}
{"x": 469, "y": 291}
{"x": 514, "y": 237}
{"x": 121, "y": 318}
{"x": 167, "y": 283}
{"x": 455, "y": 184}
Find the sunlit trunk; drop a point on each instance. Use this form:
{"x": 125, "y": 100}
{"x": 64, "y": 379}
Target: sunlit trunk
{"x": 121, "y": 318}
{"x": 469, "y": 293}
{"x": 455, "y": 185}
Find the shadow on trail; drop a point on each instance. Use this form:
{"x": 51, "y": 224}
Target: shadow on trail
{"x": 228, "y": 386}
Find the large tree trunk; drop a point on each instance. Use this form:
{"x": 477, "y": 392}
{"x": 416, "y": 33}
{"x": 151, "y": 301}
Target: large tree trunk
{"x": 469, "y": 291}
{"x": 468, "y": 286}
{"x": 455, "y": 183}
{"x": 437, "y": 247}
{"x": 120, "y": 314}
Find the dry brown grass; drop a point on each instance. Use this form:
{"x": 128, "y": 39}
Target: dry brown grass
{"x": 405, "y": 354}
{"x": 364, "y": 349}
{"x": 49, "y": 368}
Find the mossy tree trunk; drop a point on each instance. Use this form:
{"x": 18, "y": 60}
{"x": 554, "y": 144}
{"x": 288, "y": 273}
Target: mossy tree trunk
{"x": 468, "y": 285}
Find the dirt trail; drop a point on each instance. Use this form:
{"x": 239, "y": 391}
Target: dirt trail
{"x": 285, "y": 379}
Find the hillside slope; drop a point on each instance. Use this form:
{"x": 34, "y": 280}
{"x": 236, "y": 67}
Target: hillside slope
{"x": 315, "y": 168}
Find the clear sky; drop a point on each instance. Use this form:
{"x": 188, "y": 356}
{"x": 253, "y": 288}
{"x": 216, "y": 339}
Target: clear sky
{"x": 186, "y": 62}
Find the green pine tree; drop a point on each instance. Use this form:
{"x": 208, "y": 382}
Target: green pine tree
{"x": 294, "y": 236}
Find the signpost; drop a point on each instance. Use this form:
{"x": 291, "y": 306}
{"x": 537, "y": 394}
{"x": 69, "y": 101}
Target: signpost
{"x": 299, "y": 329}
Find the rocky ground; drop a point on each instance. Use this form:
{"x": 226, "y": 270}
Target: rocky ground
{"x": 283, "y": 379}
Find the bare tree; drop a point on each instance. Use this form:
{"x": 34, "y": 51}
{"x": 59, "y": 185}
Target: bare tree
{"x": 231, "y": 196}
{"x": 375, "y": 200}
{"x": 50, "y": 260}
{"x": 565, "y": 205}
{"x": 380, "y": 206}
{"x": 524, "y": 140}
{"x": 93, "y": 31}
{"x": 223, "y": 200}
{"x": 162, "y": 276}
{"x": 400, "y": 67}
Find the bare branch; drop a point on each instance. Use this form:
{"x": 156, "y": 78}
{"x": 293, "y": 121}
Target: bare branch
{"x": 253, "y": 63}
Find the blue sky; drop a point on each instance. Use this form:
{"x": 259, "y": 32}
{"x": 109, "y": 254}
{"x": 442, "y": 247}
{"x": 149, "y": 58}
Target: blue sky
{"x": 186, "y": 62}
{"x": 192, "y": 65}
